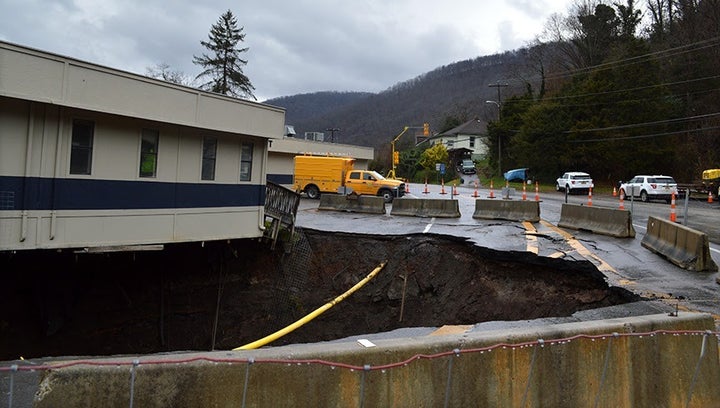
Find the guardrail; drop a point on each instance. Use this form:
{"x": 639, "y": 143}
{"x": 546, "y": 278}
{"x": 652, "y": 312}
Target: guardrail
{"x": 281, "y": 205}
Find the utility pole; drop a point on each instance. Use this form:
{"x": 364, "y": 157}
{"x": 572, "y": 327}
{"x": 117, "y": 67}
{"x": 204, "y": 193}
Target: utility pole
{"x": 498, "y": 85}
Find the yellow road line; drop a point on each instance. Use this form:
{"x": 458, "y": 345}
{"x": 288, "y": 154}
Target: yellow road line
{"x": 584, "y": 252}
{"x": 532, "y": 242}
{"x": 623, "y": 280}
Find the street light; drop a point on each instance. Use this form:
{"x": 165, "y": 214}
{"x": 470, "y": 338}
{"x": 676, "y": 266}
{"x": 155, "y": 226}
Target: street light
{"x": 499, "y": 140}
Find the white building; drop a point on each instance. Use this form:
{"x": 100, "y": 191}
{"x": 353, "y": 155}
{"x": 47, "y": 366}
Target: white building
{"x": 95, "y": 157}
{"x": 471, "y": 136}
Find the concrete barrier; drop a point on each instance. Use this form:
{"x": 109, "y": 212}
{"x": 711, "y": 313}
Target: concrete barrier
{"x": 352, "y": 203}
{"x": 683, "y": 246}
{"x": 426, "y": 207}
{"x": 642, "y": 361}
{"x": 605, "y": 221}
{"x": 513, "y": 210}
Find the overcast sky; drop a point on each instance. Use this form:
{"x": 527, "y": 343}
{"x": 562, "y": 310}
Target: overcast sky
{"x": 295, "y": 46}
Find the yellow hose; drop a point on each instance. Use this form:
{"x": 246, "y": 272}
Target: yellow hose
{"x": 317, "y": 312}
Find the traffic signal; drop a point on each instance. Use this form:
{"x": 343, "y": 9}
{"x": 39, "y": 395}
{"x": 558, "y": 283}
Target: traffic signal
{"x": 396, "y": 157}
{"x": 426, "y": 129}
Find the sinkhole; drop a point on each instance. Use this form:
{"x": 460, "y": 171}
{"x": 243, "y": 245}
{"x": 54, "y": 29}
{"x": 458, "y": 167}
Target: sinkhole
{"x": 221, "y": 295}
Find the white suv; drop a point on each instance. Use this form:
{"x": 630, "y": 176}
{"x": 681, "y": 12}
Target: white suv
{"x": 650, "y": 188}
{"x": 574, "y": 181}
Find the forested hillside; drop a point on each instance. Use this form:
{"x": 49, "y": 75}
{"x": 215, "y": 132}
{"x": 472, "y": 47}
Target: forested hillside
{"x": 603, "y": 92}
{"x": 455, "y": 90}
{"x": 301, "y": 108}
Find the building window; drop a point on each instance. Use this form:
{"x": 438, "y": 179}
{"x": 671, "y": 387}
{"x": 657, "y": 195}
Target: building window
{"x": 149, "y": 152}
{"x": 209, "y": 153}
{"x": 246, "y": 156}
{"x": 472, "y": 142}
{"x": 82, "y": 147}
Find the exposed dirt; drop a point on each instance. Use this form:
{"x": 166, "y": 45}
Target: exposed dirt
{"x": 61, "y": 304}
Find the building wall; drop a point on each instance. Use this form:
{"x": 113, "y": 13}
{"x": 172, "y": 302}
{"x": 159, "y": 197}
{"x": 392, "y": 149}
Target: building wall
{"x": 43, "y": 205}
{"x": 35, "y": 75}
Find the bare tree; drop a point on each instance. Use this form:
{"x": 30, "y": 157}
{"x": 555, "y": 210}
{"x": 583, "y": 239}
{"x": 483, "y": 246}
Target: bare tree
{"x": 163, "y": 71}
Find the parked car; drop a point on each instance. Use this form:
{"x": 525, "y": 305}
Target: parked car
{"x": 467, "y": 166}
{"x": 516, "y": 174}
{"x": 574, "y": 181}
{"x": 648, "y": 188}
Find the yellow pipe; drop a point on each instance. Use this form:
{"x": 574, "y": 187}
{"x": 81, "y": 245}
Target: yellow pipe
{"x": 317, "y": 312}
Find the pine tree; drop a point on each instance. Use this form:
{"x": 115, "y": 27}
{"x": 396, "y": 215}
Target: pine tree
{"x": 224, "y": 65}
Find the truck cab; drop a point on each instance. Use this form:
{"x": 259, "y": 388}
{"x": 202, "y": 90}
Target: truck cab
{"x": 373, "y": 183}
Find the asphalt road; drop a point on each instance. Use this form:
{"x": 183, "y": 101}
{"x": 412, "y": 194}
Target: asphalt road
{"x": 624, "y": 261}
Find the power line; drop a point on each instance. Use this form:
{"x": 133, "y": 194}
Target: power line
{"x": 634, "y": 125}
{"x": 669, "y": 52}
{"x": 612, "y": 139}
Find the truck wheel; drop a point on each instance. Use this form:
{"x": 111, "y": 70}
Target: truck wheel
{"x": 387, "y": 195}
{"x": 312, "y": 191}
{"x": 644, "y": 196}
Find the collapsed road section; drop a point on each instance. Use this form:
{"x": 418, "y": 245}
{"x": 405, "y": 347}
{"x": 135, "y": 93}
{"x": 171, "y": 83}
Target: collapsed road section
{"x": 221, "y": 295}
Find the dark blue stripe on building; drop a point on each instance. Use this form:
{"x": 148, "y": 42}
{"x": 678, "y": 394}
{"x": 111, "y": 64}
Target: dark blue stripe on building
{"x": 36, "y": 193}
{"x": 280, "y": 178}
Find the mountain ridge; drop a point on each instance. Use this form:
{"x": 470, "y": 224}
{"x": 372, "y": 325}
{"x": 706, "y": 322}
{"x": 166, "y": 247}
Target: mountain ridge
{"x": 459, "y": 89}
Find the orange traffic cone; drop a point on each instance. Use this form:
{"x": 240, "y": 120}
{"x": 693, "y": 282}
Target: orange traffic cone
{"x": 622, "y": 205}
{"x": 709, "y": 196}
{"x": 492, "y": 195}
{"x": 673, "y": 216}
{"x": 590, "y": 197}
{"x": 475, "y": 194}
{"x": 426, "y": 189}
{"x": 614, "y": 192}
{"x": 454, "y": 189}
{"x": 524, "y": 195}
{"x": 537, "y": 192}
{"x": 442, "y": 186}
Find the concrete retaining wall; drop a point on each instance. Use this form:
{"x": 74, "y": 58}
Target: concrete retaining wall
{"x": 426, "y": 207}
{"x": 513, "y": 210}
{"x": 605, "y": 221}
{"x": 683, "y": 246}
{"x": 563, "y": 365}
{"x": 352, "y": 203}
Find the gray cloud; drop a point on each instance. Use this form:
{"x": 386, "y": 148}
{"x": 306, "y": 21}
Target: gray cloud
{"x": 294, "y": 47}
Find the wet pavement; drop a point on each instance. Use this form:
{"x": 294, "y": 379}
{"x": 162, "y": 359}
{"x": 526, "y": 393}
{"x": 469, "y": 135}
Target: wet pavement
{"x": 623, "y": 261}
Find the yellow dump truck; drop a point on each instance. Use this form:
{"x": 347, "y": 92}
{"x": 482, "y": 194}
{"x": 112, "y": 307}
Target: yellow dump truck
{"x": 711, "y": 181}
{"x": 314, "y": 175}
